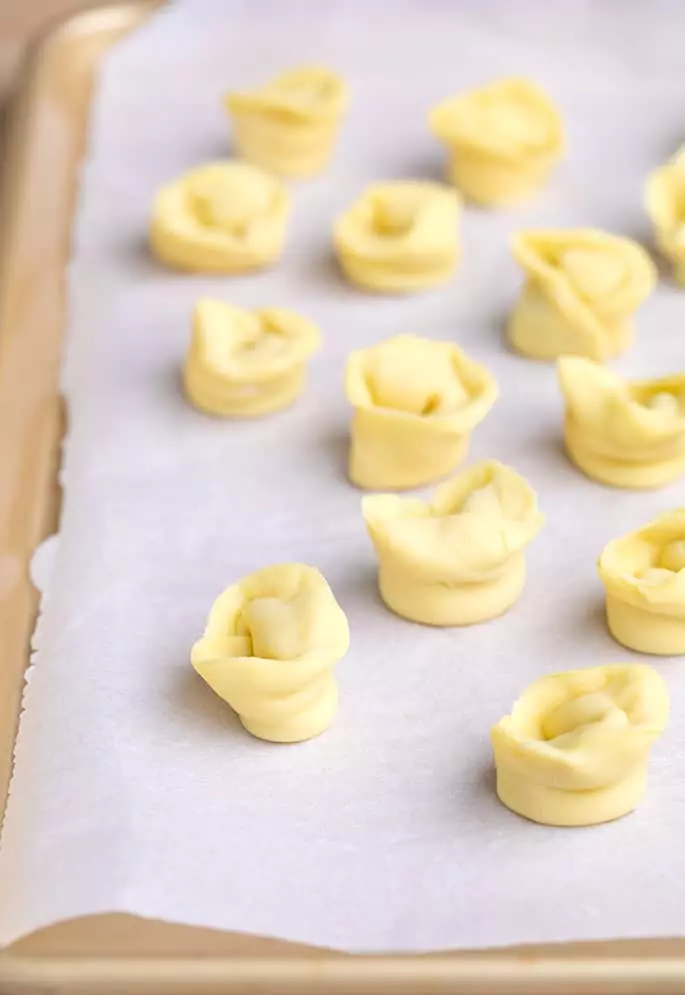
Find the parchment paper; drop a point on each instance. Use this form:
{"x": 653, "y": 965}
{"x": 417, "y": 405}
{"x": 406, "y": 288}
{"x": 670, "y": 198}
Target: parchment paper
{"x": 135, "y": 788}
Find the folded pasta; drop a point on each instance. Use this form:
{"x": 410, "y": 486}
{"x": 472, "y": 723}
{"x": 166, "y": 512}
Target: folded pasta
{"x": 665, "y": 203}
{"x": 269, "y": 649}
{"x": 582, "y": 287}
{"x": 400, "y": 236}
{"x": 644, "y": 577}
{"x": 458, "y": 559}
{"x": 625, "y": 433}
{"x": 503, "y": 140}
{"x": 574, "y": 749}
{"x": 244, "y": 363}
{"x": 415, "y": 404}
{"x": 290, "y": 124}
{"x": 226, "y": 217}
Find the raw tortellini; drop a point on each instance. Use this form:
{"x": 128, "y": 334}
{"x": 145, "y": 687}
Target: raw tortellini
{"x": 665, "y": 202}
{"x": 269, "y": 648}
{"x": 290, "y": 125}
{"x": 574, "y": 749}
{"x": 459, "y": 558}
{"x": 415, "y": 404}
{"x": 503, "y": 140}
{"x": 582, "y": 287}
{"x": 644, "y": 577}
{"x": 623, "y": 433}
{"x": 243, "y": 363}
{"x": 400, "y": 236}
{"x": 227, "y": 217}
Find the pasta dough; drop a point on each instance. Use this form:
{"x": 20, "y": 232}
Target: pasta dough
{"x": 243, "y": 363}
{"x": 400, "y": 236}
{"x": 289, "y": 125}
{"x": 582, "y": 287}
{"x": 415, "y": 404}
{"x": 503, "y": 140}
{"x": 226, "y": 217}
{"x": 574, "y": 749}
{"x": 623, "y": 433}
{"x": 665, "y": 203}
{"x": 644, "y": 577}
{"x": 459, "y": 558}
{"x": 269, "y": 648}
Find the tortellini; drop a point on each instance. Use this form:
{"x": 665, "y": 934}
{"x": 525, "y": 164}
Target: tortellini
{"x": 644, "y": 577}
{"x": 269, "y": 649}
{"x": 245, "y": 363}
{"x": 574, "y": 749}
{"x": 665, "y": 202}
{"x": 623, "y": 433}
{"x": 226, "y": 217}
{"x": 459, "y": 558}
{"x": 290, "y": 125}
{"x": 503, "y": 140}
{"x": 400, "y": 236}
{"x": 415, "y": 404}
{"x": 582, "y": 287}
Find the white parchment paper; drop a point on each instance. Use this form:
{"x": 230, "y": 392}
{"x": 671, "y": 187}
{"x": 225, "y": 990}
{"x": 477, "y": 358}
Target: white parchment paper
{"x": 135, "y": 788}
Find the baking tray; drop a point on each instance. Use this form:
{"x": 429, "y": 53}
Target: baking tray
{"x": 116, "y": 953}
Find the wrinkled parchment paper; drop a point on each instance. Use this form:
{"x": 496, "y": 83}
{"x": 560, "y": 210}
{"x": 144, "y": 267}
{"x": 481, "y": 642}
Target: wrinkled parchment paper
{"x": 135, "y": 788}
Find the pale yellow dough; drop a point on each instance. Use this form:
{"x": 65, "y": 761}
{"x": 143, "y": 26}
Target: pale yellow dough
{"x": 415, "y": 404}
{"x": 245, "y": 363}
{"x": 289, "y": 126}
{"x": 623, "y": 433}
{"x": 644, "y": 577}
{"x": 574, "y": 750}
{"x": 665, "y": 203}
{"x": 582, "y": 287}
{"x": 458, "y": 559}
{"x": 269, "y": 648}
{"x": 400, "y": 236}
{"x": 226, "y": 217}
{"x": 503, "y": 140}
